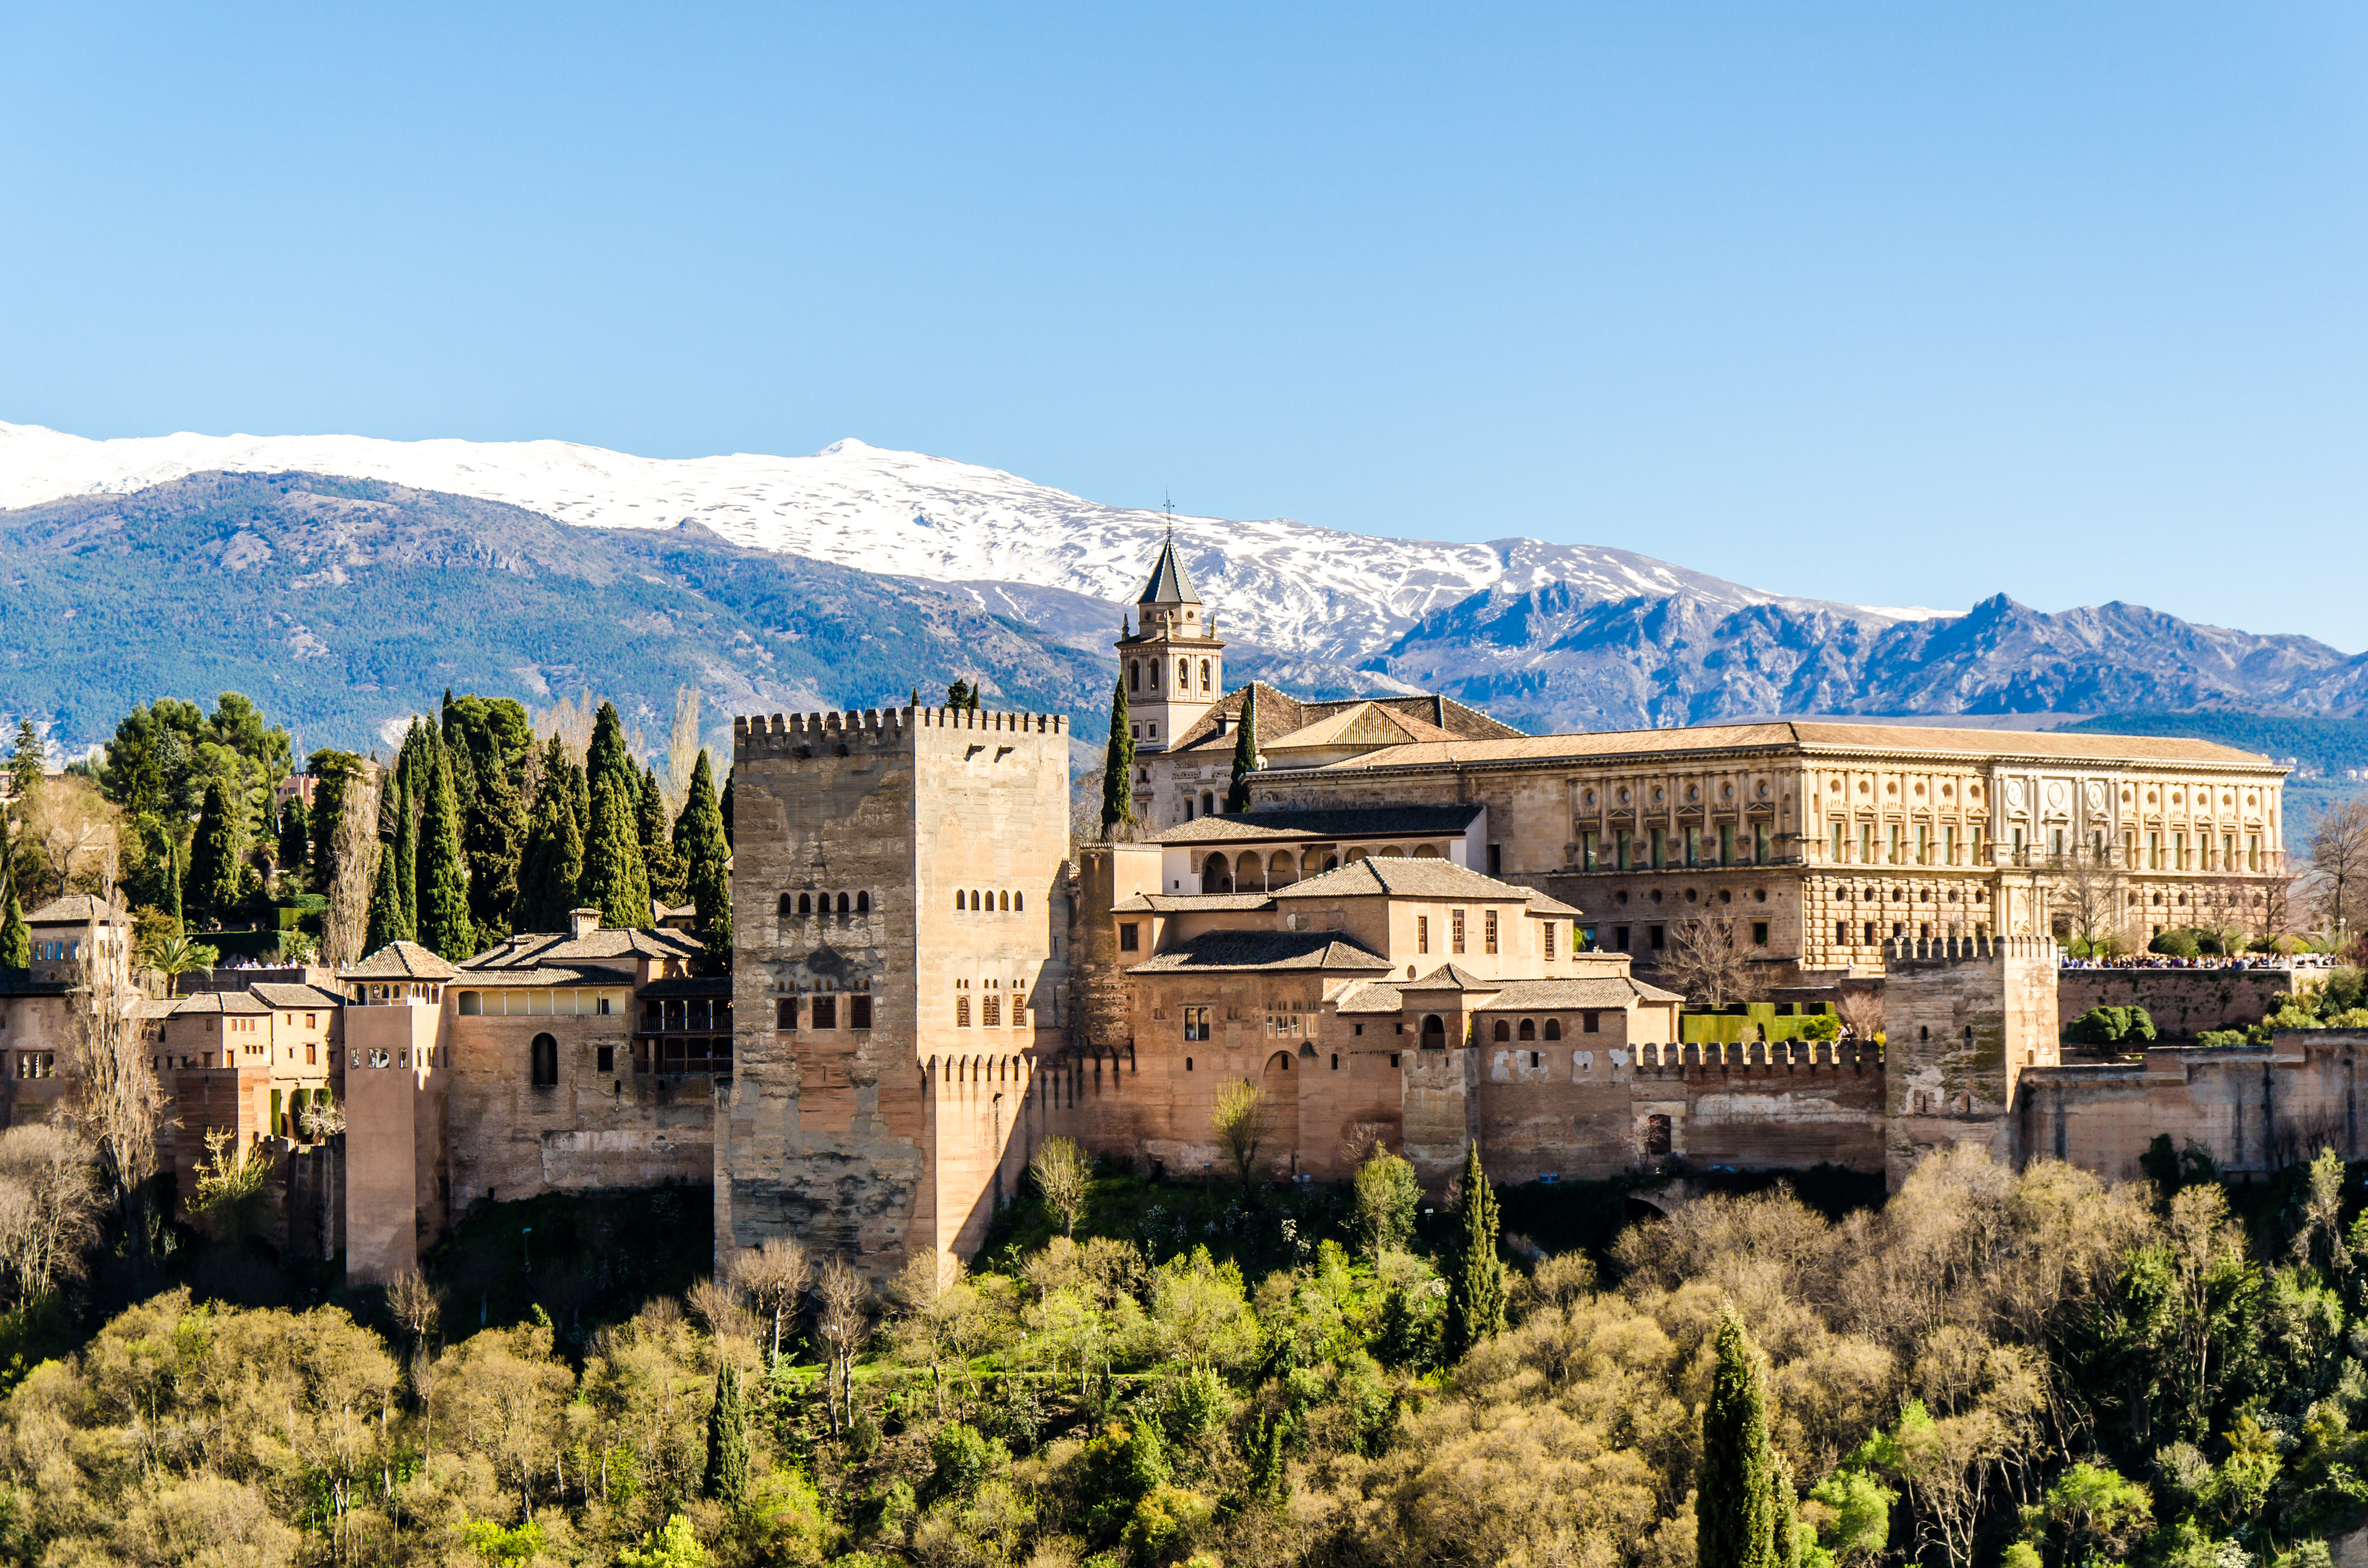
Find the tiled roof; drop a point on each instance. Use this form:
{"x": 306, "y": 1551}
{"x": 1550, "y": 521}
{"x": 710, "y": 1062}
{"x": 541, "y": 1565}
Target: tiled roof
{"x": 1546, "y": 995}
{"x": 1452, "y": 977}
{"x": 1368, "y": 724}
{"x": 1181, "y": 904}
{"x": 1896, "y": 739}
{"x": 539, "y": 950}
{"x": 1540, "y": 904}
{"x": 400, "y": 961}
{"x": 545, "y": 975}
{"x": 216, "y": 1002}
{"x": 1170, "y": 583}
{"x": 1372, "y": 997}
{"x": 1309, "y": 951}
{"x": 1280, "y": 714}
{"x": 74, "y": 909}
{"x": 287, "y": 996}
{"x": 1345, "y": 822}
{"x": 1400, "y": 877}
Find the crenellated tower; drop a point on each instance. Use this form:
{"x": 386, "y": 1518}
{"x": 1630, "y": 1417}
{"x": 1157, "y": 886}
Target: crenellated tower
{"x": 1171, "y": 658}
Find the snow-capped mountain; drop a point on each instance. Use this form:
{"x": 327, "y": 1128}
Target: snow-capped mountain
{"x": 1294, "y": 588}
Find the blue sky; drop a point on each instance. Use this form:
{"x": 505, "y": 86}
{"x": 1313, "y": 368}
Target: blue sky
{"x": 1888, "y": 304}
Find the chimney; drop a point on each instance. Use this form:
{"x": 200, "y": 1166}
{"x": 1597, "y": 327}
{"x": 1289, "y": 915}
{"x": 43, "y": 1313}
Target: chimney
{"x": 582, "y": 923}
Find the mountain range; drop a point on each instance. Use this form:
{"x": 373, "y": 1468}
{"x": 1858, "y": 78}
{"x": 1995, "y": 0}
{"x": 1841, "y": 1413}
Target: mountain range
{"x": 346, "y": 581}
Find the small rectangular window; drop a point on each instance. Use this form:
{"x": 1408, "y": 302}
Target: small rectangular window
{"x": 1549, "y": 929}
{"x": 1488, "y": 931}
{"x": 1591, "y": 1023}
{"x": 1455, "y": 931}
{"x": 606, "y": 1059}
{"x": 859, "y": 1011}
{"x": 826, "y": 1011}
{"x": 1869, "y": 933}
{"x": 1130, "y": 938}
{"x": 1620, "y": 937}
{"x": 785, "y": 1012}
{"x": 1759, "y": 933}
{"x": 1422, "y": 933}
{"x": 1196, "y": 1023}
{"x": 1656, "y": 937}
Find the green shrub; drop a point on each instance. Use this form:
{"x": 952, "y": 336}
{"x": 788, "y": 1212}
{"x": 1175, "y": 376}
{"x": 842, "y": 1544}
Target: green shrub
{"x": 2175, "y": 943}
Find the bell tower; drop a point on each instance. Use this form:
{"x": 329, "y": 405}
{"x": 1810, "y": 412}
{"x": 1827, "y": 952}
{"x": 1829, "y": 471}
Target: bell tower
{"x": 1171, "y": 660}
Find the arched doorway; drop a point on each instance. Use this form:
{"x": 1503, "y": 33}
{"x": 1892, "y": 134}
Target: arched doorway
{"x": 1434, "y": 1032}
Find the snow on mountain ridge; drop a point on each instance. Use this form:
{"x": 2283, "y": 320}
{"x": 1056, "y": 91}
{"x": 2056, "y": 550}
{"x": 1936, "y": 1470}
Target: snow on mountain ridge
{"x": 1283, "y": 583}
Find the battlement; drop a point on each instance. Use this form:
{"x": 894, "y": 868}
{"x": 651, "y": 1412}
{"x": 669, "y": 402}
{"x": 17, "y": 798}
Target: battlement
{"x": 1963, "y": 949}
{"x": 1780, "y": 1055}
{"x": 755, "y": 736}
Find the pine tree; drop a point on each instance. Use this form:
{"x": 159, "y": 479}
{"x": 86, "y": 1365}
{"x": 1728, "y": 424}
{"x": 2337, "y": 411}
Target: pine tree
{"x": 295, "y": 838}
{"x": 727, "y": 1441}
{"x": 1118, "y": 768}
{"x": 445, "y": 928}
{"x": 614, "y": 880}
{"x": 1247, "y": 760}
{"x": 495, "y": 839}
{"x": 15, "y": 936}
{"x": 1735, "y": 1506}
{"x": 698, "y": 846}
{"x": 554, "y": 862}
{"x": 214, "y": 858}
{"x": 656, "y": 836}
{"x": 1475, "y": 1297}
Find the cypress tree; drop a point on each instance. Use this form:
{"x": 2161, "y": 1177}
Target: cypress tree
{"x": 15, "y": 936}
{"x": 727, "y": 1441}
{"x": 579, "y": 803}
{"x": 495, "y": 840}
{"x": 650, "y": 826}
{"x": 26, "y": 763}
{"x": 614, "y": 880}
{"x": 445, "y": 928}
{"x": 214, "y": 858}
{"x": 607, "y": 753}
{"x": 1117, "y": 768}
{"x": 406, "y": 848}
{"x": 724, "y": 808}
{"x": 295, "y": 837}
{"x": 1785, "y": 1532}
{"x": 1735, "y": 1504}
{"x": 1475, "y": 1297}
{"x": 1246, "y": 753}
{"x": 172, "y": 891}
{"x": 385, "y": 905}
{"x": 698, "y": 846}
{"x": 553, "y": 863}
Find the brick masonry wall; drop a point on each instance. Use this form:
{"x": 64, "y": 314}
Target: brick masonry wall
{"x": 2183, "y": 1003}
{"x": 512, "y": 1139}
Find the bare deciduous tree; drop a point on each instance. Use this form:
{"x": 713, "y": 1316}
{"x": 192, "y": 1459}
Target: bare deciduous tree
{"x": 1064, "y": 1176}
{"x": 2338, "y": 877}
{"x": 355, "y": 859}
{"x": 49, "y": 1202}
{"x": 117, "y": 1103}
{"x": 1860, "y": 1012}
{"x": 843, "y": 1325}
{"x": 775, "y": 1276}
{"x": 682, "y": 751}
{"x": 1705, "y": 961}
{"x": 1243, "y": 1121}
{"x": 2085, "y": 888}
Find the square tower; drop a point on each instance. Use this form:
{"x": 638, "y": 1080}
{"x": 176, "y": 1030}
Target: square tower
{"x": 1962, "y": 1017}
{"x": 900, "y": 894}
{"x": 1171, "y": 661}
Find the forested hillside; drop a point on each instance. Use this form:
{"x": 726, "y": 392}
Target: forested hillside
{"x": 2034, "y": 1370}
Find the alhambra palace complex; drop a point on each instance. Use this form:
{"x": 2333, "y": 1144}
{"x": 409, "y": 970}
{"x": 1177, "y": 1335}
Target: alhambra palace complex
{"x": 1428, "y": 924}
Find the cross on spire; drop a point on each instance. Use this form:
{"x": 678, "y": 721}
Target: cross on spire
{"x": 1167, "y": 504}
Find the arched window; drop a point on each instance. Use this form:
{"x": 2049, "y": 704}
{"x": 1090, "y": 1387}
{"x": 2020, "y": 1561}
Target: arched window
{"x": 1504, "y": 1030}
{"x": 1553, "y": 1028}
{"x": 545, "y": 1050}
{"x": 863, "y": 903}
{"x": 1133, "y": 676}
{"x": 1434, "y": 1032}
{"x": 1007, "y": 902}
{"x": 805, "y": 903}
{"x": 1528, "y": 1028}
{"x": 787, "y": 907}
{"x": 1019, "y": 901}
{"x": 1204, "y": 675}
{"x": 1249, "y": 872}
{"x": 959, "y": 902}
{"x": 843, "y": 905}
{"x": 1216, "y": 875}
{"x": 1183, "y": 674}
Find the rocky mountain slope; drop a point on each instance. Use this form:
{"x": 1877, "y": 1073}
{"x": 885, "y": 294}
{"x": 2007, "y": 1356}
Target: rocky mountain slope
{"x": 342, "y": 604}
{"x": 1305, "y": 591}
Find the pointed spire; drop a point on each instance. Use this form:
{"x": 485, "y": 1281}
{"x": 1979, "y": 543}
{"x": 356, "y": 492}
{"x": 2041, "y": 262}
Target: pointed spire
{"x": 1169, "y": 585}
